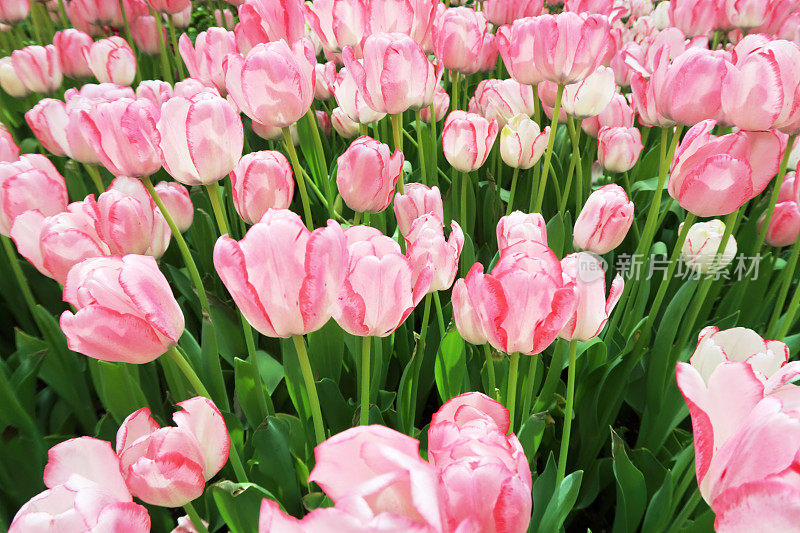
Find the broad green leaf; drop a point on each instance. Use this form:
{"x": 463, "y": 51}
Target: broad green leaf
{"x": 239, "y": 504}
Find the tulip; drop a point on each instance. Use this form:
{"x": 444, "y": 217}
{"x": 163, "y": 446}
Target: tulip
{"x": 190, "y": 87}
{"x": 201, "y": 138}
{"x": 224, "y": 19}
{"x": 325, "y": 78}
{"x": 590, "y": 97}
{"x": 144, "y": 32}
{"x": 351, "y": 100}
{"x": 338, "y": 24}
{"x": 467, "y": 139}
{"x": 588, "y": 274}
{"x": 784, "y": 226}
{"x": 519, "y": 227}
{"x": 38, "y": 68}
{"x": 604, "y": 220}
{"x": 157, "y": 91}
{"x": 112, "y": 60}
{"x": 169, "y": 6}
{"x": 502, "y": 99}
{"x": 468, "y": 323}
{"x": 563, "y": 48}
{"x": 643, "y": 91}
{"x": 703, "y": 240}
{"x": 184, "y": 523}
{"x": 176, "y": 200}
{"x": 261, "y": 181}
{"x": 502, "y": 12}
{"x": 426, "y": 242}
{"x": 182, "y": 19}
{"x": 618, "y": 149}
{"x": 272, "y": 133}
{"x": 522, "y": 143}
{"x": 441, "y": 105}
{"x": 616, "y": 114}
{"x": 104, "y": 92}
{"x": 9, "y": 80}
{"x": 396, "y": 75}
{"x": 48, "y": 121}
{"x": 745, "y": 14}
{"x": 693, "y": 18}
{"x": 417, "y": 200}
{"x": 736, "y": 167}
{"x": 14, "y": 11}
{"x": 343, "y": 125}
{"x": 129, "y": 151}
{"x": 125, "y": 310}
{"x": 299, "y": 297}
{"x": 285, "y": 76}
{"x": 461, "y": 37}
{"x": 262, "y": 21}
{"x": 70, "y": 45}
{"x": 30, "y": 183}
{"x": 9, "y": 151}
{"x": 169, "y": 466}
{"x": 367, "y": 175}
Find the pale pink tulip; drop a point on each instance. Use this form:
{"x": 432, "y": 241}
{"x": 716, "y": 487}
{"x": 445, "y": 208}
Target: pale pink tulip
{"x": 204, "y": 59}
{"x": 177, "y": 201}
{"x": 441, "y": 106}
{"x": 9, "y": 80}
{"x": 618, "y": 149}
{"x": 157, "y": 91}
{"x": 144, "y": 32}
{"x": 14, "y": 11}
{"x": 643, "y": 91}
{"x": 325, "y": 78}
{"x": 104, "y": 92}
{"x": 112, "y": 60}
{"x": 70, "y": 45}
{"x": 343, "y": 125}
{"x": 590, "y": 96}
{"x": 604, "y": 220}
{"x": 467, "y": 139}
{"x": 426, "y": 242}
{"x": 502, "y": 99}
{"x": 224, "y": 19}
{"x": 48, "y": 121}
{"x": 700, "y": 250}
{"x": 261, "y": 181}
{"x": 520, "y": 227}
{"x": 416, "y": 201}
{"x": 38, "y": 68}
{"x": 262, "y": 21}
{"x": 501, "y": 12}
{"x": 693, "y": 18}
{"x": 461, "y": 38}
{"x": 593, "y": 310}
{"x": 9, "y": 151}
{"x": 169, "y": 6}
{"x": 30, "y": 183}
{"x": 745, "y": 14}
{"x": 183, "y": 18}
{"x": 351, "y": 100}
{"x": 367, "y": 174}
{"x": 337, "y": 23}
{"x": 784, "y": 226}
{"x": 522, "y": 143}
{"x": 616, "y": 114}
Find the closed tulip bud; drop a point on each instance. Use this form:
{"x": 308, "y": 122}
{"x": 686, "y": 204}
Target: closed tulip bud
{"x": 467, "y": 139}
{"x": 201, "y": 138}
{"x": 9, "y": 80}
{"x": 343, "y": 125}
{"x": 129, "y": 151}
{"x": 784, "y": 226}
{"x": 261, "y": 181}
{"x": 563, "y": 48}
{"x": 262, "y": 21}
{"x": 38, "y": 68}
{"x": 144, "y": 31}
{"x": 395, "y": 75}
{"x": 178, "y": 203}
{"x": 48, "y": 121}
{"x": 351, "y": 100}
{"x": 125, "y": 310}
{"x": 30, "y": 183}
{"x": 618, "y": 149}
{"x": 112, "y": 60}
{"x": 74, "y": 140}
{"x": 426, "y": 242}
{"x": 417, "y": 200}
{"x": 520, "y": 227}
{"x": 522, "y": 143}
{"x": 14, "y": 11}
{"x": 286, "y": 76}
{"x": 323, "y": 122}
{"x": 182, "y": 19}
{"x": 169, "y": 6}
{"x": 461, "y": 37}
{"x": 70, "y": 45}
{"x": 502, "y": 12}
{"x": 190, "y": 87}
{"x": 325, "y": 78}
{"x": 644, "y": 101}
{"x": 468, "y": 323}
{"x": 593, "y": 310}
{"x": 300, "y": 295}
{"x": 604, "y": 220}
{"x": 547, "y": 94}
{"x": 590, "y": 96}
{"x": 9, "y": 151}
{"x": 441, "y": 105}
{"x": 367, "y": 174}
{"x": 205, "y": 57}
{"x": 502, "y": 99}
{"x": 699, "y": 251}
{"x": 224, "y": 19}
{"x": 714, "y": 176}
{"x": 616, "y": 114}
{"x": 169, "y": 466}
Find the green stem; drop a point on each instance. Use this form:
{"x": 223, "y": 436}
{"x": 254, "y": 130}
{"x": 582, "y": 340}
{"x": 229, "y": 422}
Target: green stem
{"x": 397, "y": 134}
{"x": 16, "y": 268}
{"x": 62, "y": 15}
{"x": 174, "y": 40}
{"x": 197, "y": 522}
{"x": 363, "y": 130}
{"x": 514, "y": 178}
{"x": 439, "y": 314}
{"x": 548, "y": 154}
{"x": 511, "y": 394}
{"x": 94, "y": 174}
{"x": 311, "y": 387}
{"x": 529, "y": 384}
{"x": 562, "y": 454}
{"x": 791, "y": 315}
{"x": 417, "y": 361}
{"x": 165, "y": 68}
{"x": 298, "y": 173}
{"x": 322, "y": 163}
{"x": 264, "y": 401}
{"x": 366, "y": 344}
{"x": 214, "y": 194}
{"x": 490, "y": 371}
{"x": 421, "y": 149}
{"x": 464, "y": 213}
{"x": 773, "y": 198}
{"x": 562, "y": 205}
{"x": 575, "y": 135}
{"x": 454, "y": 100}
{"x": 785, "y": 283}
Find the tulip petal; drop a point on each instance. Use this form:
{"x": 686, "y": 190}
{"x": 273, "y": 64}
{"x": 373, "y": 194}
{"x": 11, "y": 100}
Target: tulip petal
{"x": 201, "y": 418}
{"x": 89, "y": 458}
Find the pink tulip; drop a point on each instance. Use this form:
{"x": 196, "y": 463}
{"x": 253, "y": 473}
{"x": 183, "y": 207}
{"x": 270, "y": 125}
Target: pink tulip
{"x": 86, "y": 492}
{"x": 409, "y": 17}
{"x": 381, "y": 287}
{"x": 693, "y": 18}
{"x": 604, "y": 220}
{"x": 523, "y": 304}
{"x": 14, "y": 11}
{"x": 9, "y": 80}
{"x": 701, "y": 247}
{"x": 144, "y": 32}
{"x": 784, "y": 226}
{"x": 467, "y": 139}
{"x": 129, "y": 151}
{"x": 157, "y": 91}
{"x": 273, "y": 133}
{"x": 461, "y": 37}
{"x": 746, "y": 14}
{"x": 205, "y": 58}
{"x": 261, "y": 181}
{"x": 30, "y": 183}
{"x": 9, "y": 151}
{"x": 343, "y": 125}
{"x": 616, "y": 114}
{"x": 522, "y": 143}
{"x": 190, "y": 87}
{"x": 70, "y": 45}
{"x": 338, "y": 24}
{"x": 736, "y": 167}
{"x": 183, "y": 18}
{"x": 169, "y": 466}
{"x": 367, "y": 175}
{"x": 351, "y": 100}
{"x": 112, "y": 60}
{"x": 618, "y": 149}
{"x": 48, "y": 121}
{"x": 426, "y": 242}
{"x": 177, "y": 201}
{"x": 502, "y": 99}
{"x": 417, "y": 200}
{"x": 169, "y": 6}
{"x": 38, "y": 68}
{"x": 224, "y": 19}
{"x": 396, "y": 75}
{"x": 593, "y": 310}
{"x": 501, "y": 12}
{"x": 286, "y": 76}
{"x": 104, "y": 92}
{"x": 262, "y": 21}
{"x": 441, "y": 105}
{"x": 520, "y": 227}
{"x": 125, "y": 309}
{"x": 201, "y": 138}
{"x": 589, "y": 97}
{"x": 643, "y": 91}
{"x": 325, "y": 78}
{"x": 299, "y": 296}
{"x": 563, "y": 48}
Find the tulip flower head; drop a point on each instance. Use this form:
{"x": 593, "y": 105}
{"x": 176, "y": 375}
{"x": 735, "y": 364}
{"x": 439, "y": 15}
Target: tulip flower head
{"x": 367, "y": 174}
{"x": 261, "y": 181}
{"x": 467, "y": 139}
{"x": 593, "y": 309}
{"x": 703, "y": 240}
{"x": 604, "y": 220}
{"x": 112, "y": 60}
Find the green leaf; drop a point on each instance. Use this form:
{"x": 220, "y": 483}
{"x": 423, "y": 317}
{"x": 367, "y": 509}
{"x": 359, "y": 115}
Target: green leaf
{"x": 450, "y": 366}
{"x": 631, "y": 489}
{"x": 247, "y": 393}
{"x": 120, "y": 393}
{"x": 326, "y": 351}
{"x": 337, "y": 413}
{"x": 658, "y": 511}
{"x": 239, "y": 504}
{"x": 562, "y": 503}
{"x": 555, "y": 235}
{"x": 275, "y": 463}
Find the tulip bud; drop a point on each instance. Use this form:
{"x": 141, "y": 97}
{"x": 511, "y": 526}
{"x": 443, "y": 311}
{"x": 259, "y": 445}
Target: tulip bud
{"x": 416, "y": 201}
{"x": 693, "y": 18}
{"x": 337, "y": 28}
{"x": 520, "y": 227}
{"x": 9, "y": 80}
{"x": 30, "y": 183}
{"x": 70, "y": 45}
{"x": 48, "y": 121}
{"x": 502, "y": 12}
{"x": 14, "y": 11}
{"x": 784, "y": 226}
{"x": 522, "y": 143}
{"x": 325, "y": 77}
{"x": 502, "y": 99}
{"x": 144, "y": 31}
{"x": 699, "y": 251}
{"x": 343, "y": 125}
{"x": 157, "y": 91}
{"x": 9, "y": 151}
{"x": 169, "y": 6}
{"x": 352, "y": 102}
{"x": 112, "y": 60}
{"x": 261, "y": 181}
{"x": 589, "y": 97}
{"x": 746, "y": 14}
{"x": 182, "y": 19}
{"x": 604, "y": 220}
{"x": 426, "y": 242}
{"x": 441, "y": 105}
{"x": 38, "y": 68}
{"x": 205, "y": 57}
{"x": 618, "y": 149}
{"x": 178, "y": 203}
{"x": 593, "y": 310}
{"x": 467, "y": 139}
{"x": 461, "y": 37}
{"x": 367, "y": 175}
{"x": 263, "y": 21}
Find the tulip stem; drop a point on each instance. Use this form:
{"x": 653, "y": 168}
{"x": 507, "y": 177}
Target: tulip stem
{"x": 548, "y": 154}
{"x": 363, "y": 130}
{"x": 773, "y": 198}
{"x": 298, "y": 173}
{"x": 490, "y": 371}
{"x": 562, "y": 454}
{"x": 421, "y": 148}
{"x": 216, "y": 205}
{"x": 514, "y": 178}
{"x": 197, "y": 522}
{"x": 511, "y": 389}
{"x": 174, "y": 40}
{"x": 366, "y": 344}
{"x": 397, "y": 133}
{"x": 575, "y": 136}
{"x": 165, "y": 68}
{"x": 454, "y": 82}
{"x": 62, "y": 15}
{"x": 416, "y": 362}
{"x": 94, "y": 174}
{"x": 786, "y": 283}
{"x": 464, "y": 183}
{"x": 791, "y": 315}
{"x": 311, "y": 387}
{"x": 20, "y": 275}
